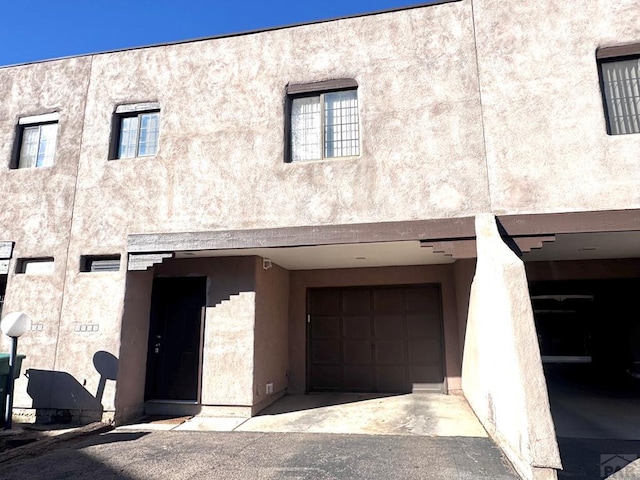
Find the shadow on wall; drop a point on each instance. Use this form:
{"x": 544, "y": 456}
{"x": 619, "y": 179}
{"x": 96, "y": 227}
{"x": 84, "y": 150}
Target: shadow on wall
{"x": 59, "y": 398}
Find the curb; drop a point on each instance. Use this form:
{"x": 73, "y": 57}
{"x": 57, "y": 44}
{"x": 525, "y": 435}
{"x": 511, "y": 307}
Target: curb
{"x": 37, "y": 447}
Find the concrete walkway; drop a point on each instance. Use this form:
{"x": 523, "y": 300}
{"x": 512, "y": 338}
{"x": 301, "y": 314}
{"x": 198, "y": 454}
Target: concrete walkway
{"x": 418, "y": 414}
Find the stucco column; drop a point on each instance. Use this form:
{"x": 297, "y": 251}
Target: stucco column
{"x": 228, "y": 366}
{"x": 502, "y": 375}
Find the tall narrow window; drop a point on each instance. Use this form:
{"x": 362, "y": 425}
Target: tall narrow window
{"x": 306, "y": 123}
{"x": 36, "y": 141}
{"x": 137, "y": 130}
{"x": 325, "y": 123}
{"x": 620, "y": 76}
{"x": 341, "y": 124}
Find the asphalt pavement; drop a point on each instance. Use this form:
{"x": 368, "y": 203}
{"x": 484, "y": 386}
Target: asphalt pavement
{"x": 192, "y": 455}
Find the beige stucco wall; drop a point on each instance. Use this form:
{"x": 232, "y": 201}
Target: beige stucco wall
{"x": 96, "y": 300}
{"x": 429, "y": 111}
{"x": 541, "y": 123}
{"x": 301, "y": 280}
{"x": 132, "y": 366}
{"x": 502, "y": 375}
{"x": 36, "y": 210}
{"x": 221, "y": 164}
{"x": 227, "y": 363}
{"x": 271, "y": 343}
{"x": 547, "y": 145}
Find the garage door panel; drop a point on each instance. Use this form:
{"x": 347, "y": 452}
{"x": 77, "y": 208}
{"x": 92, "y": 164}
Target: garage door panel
{"x": 356, "y": 302}
{"x": 328, "y": 378}
{"x": 324, "y": 302}
{"x": 420, "y": 299}
{"x": 358, "y": 378}
{"x": 424, "y": 352}
{"x": 426, "y": 374}
{"x": 326, "y": 351}
{"x": 423, "y": 325}
{"x": 356, "y": 327}
{"x": 391, "y": 379}
{"x": 358, "y": 352}
{"x": 387, "y": 300}
{"x": 325, "y": 327}
{"x": 377, "y": 339}
{"x": 388, "y": 326}
{"x": 418, "y": 325}
{"x": 433, "y": 318}
{"x": 389, "y": 353}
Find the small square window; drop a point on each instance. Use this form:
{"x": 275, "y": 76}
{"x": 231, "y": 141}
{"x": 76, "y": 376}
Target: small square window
{"x": 323, "y": 120}
{"x": 136, "y": 131}
{"x": 36, "y": 141}
{"x": 620, "y": 77}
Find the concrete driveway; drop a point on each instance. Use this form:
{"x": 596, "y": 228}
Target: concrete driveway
{"x": 307, "y": 437}
{"x": 417, "y": 414}
{"x": 596, "y": 421}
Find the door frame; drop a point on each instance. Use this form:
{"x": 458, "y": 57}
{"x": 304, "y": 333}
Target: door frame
{"x": 202, "y": 323}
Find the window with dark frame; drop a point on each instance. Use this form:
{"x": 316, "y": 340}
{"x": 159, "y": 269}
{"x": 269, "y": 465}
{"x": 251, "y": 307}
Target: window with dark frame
{"x": 35, "y": 141}
{"x": 323, "y": 120}
{"x": 136, "y": 130}
{"x": 100, "y": 263}
{"x": 35, "y": 266}
{"x": 619, "y": 69}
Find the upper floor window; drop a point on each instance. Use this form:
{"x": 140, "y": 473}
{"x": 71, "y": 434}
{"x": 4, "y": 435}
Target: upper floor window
{"x": 136, "y": 129}
{"x": 36, "y": 141}
{"x": 323, "y": 120}
{"x": 620, "y": 77}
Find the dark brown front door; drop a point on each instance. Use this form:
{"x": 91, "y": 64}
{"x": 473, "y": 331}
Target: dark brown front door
{"x": 375, "y": 339}
{"x": 173, "y": 358}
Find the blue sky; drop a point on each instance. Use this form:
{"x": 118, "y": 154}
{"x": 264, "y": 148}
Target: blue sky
{"x": 40, "y": 29}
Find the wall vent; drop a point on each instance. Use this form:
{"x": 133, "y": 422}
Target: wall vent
{"x": 100, "y": 263}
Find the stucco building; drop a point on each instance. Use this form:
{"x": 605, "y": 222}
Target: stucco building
{"x": 204, "y": 226}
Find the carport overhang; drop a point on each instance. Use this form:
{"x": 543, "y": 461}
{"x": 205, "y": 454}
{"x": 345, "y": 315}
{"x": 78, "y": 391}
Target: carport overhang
{"x": 321, "y": 246}
{"x": 594, "y": 235}
{"x": 411, "y": 242}
{"x": 420, "y": 243}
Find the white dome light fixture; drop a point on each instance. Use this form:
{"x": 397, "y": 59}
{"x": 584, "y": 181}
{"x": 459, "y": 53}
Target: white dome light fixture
{"x": 15, "y": 324}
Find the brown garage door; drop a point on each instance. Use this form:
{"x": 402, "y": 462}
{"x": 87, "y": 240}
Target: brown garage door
{"x": 375, "y": 339}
